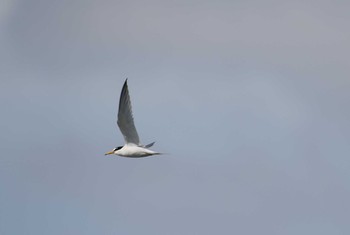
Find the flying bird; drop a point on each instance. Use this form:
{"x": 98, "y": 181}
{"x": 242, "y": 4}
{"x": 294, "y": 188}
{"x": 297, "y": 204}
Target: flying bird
{"x": 132, "y": 147}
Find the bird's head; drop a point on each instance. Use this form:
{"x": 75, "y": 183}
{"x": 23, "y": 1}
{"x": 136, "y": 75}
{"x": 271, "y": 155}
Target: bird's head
{"x": 114, "y": 151}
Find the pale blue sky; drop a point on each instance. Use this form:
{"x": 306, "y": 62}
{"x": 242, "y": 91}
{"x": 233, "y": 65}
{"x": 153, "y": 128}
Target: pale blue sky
{"x": 249, "y": 98}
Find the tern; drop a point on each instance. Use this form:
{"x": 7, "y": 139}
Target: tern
{"x": 132, "y": 147}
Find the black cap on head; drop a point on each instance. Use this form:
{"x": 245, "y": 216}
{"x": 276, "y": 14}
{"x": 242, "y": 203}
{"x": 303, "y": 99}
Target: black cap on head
{"x": 117, "y": 148}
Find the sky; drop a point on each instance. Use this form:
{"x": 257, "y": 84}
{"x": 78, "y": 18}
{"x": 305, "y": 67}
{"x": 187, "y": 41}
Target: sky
{"x": 249, "y": 99}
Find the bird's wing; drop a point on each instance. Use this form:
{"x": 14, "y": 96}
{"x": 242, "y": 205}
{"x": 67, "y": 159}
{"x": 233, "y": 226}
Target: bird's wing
{"x": 125, "y": 117}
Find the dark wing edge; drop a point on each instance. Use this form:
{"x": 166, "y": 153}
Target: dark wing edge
{"x": 125, "y": 117}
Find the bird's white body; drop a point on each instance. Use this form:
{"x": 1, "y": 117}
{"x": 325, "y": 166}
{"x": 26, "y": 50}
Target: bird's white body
{"x": 134, "y": 151}
{"x": 132, "y": 147}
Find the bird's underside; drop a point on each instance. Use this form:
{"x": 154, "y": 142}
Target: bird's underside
{"x": 134, "y": 151}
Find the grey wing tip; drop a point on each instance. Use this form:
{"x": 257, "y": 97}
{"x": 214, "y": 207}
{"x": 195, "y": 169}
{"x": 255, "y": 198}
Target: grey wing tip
{"x": 149, "y": 145}
{"x": 126, "y": 82}
{"x": 124, "y": 95}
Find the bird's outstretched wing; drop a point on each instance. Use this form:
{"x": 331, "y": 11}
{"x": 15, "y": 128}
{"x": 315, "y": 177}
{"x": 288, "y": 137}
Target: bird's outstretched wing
{"x": 125, "y": 117}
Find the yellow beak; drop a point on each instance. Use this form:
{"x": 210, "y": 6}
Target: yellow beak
{"x": 109, "y": 153}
